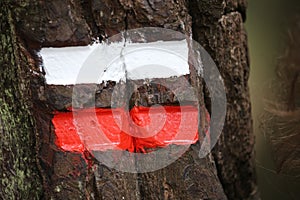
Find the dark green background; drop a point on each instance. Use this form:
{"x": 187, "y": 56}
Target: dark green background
{"x": 267, "y": 23}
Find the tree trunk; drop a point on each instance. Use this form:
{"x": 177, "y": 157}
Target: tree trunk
{"x": 34, "y": 167}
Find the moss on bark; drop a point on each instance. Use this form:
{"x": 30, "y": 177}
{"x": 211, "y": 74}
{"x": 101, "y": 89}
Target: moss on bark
{"x": 19, "y": 175}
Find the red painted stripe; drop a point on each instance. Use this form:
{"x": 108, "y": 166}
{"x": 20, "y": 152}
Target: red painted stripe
{"x": 179, "y": 126}
{"x": 66, "y": 134}
{"x": 88, "y": 123}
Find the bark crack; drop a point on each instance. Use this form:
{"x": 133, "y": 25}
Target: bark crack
{"x": 91, "y": 20}
{"x": 151, "y": 5}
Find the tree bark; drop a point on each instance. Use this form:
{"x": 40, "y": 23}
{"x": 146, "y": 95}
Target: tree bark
{"x": 221, "y": 32}
{"x": 19, "y": 172}
{"x": 34, "y": 167}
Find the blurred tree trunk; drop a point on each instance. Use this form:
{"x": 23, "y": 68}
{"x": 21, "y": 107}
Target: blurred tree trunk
{"x": 33, "y": 167}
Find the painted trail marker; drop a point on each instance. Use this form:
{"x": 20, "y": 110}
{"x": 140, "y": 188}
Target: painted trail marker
{"x": 139, "y": 67}
{"x": 173, "y": 131}
{"x": 63, "y": 65}
{"x": 99, "y": 129}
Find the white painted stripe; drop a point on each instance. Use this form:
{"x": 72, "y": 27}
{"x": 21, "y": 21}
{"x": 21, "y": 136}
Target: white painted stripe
{"x": 85, "y": 64}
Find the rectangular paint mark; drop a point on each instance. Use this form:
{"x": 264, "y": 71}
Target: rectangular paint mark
{"x": 69, "y": 125}
{"x": 180, "y": 127}
{"x": 161, "y": 59}
{"x": 174, "y": 130}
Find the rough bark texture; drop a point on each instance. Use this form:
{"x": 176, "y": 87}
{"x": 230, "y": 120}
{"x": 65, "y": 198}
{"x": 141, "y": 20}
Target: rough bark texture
{"x": 217, "y": 25}
{"x": 19, "y": 174}
{"x": 221, "y": 32}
